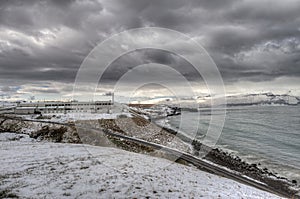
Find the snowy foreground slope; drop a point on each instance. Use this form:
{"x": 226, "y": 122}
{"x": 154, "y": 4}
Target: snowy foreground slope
{"x": 32, "y": 169}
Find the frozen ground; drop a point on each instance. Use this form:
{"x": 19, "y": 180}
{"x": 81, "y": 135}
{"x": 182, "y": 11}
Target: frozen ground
{"x": 32, "y": 169}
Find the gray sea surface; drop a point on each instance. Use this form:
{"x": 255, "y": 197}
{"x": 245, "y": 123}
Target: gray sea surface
{"x": 269, "y": 135}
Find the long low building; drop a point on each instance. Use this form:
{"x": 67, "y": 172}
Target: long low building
{"x": 62, "y": 107}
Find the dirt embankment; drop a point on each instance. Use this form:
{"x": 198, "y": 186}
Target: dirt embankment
{"x": 141, "y": 128}
{"x": 85, "y": 131}
{"x": 40, "y": 130}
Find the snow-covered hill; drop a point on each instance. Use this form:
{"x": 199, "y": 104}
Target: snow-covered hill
{"x": 31, "y": 169}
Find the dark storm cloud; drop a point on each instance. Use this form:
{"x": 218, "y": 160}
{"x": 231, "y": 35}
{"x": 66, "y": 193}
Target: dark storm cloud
{"x": 146, "y": 56}
{"x": 254, "y": 40}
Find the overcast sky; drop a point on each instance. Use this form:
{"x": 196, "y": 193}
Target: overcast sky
{"x": 254, "y": 43}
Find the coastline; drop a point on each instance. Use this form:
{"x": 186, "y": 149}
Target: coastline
{"x": 215, "y": 156}
{"x": 69, "y": 171}
{"x": 235, "y": 163}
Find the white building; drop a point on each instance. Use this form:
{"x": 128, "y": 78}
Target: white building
{"x": 63, "y": 107}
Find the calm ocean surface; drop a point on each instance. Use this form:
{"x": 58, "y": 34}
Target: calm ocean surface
{"x": 269, "y": 135}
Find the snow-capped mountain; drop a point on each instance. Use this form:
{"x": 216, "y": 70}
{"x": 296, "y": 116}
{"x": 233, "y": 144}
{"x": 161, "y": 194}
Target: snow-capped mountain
{"x": 262, "y": 99}
{"x": 267, "y": 98}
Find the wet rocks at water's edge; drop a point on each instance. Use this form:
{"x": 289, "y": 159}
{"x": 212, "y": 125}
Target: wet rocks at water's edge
{"x": 235, "y": 163}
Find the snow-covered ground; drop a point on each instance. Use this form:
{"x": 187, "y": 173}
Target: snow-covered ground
{"x": 32, "y": 169}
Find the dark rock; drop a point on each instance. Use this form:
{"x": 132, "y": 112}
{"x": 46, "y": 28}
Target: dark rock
{"x": 294, "y": 181}
{"x": 254, "y": 165}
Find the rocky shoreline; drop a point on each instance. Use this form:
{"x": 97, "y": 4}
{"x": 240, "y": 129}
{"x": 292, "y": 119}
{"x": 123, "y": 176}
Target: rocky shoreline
{"x": 235, "y": 163}
{"x": 69, "y": 134}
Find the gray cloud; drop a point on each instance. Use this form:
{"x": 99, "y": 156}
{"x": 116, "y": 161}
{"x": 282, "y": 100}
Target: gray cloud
{"x": 254, "y": 40}
{"x": 146, "y": 56}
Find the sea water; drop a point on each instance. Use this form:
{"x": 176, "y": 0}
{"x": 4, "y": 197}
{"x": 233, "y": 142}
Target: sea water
{"x": 269, "y": 135}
